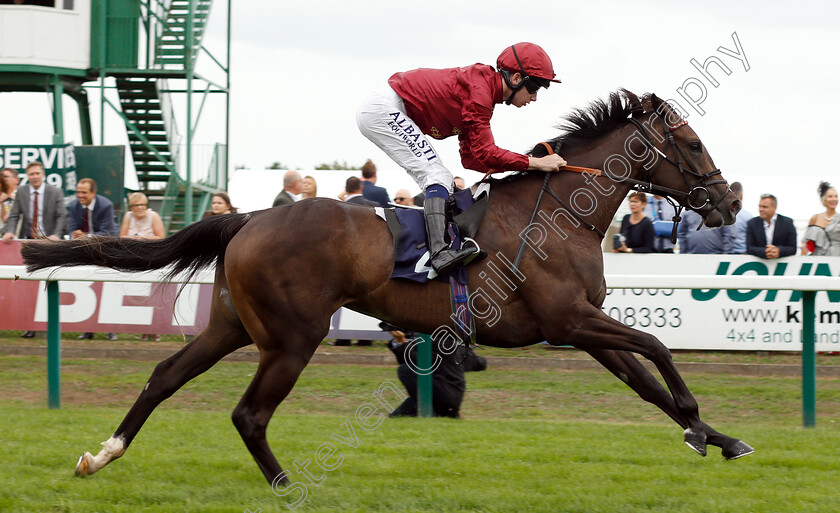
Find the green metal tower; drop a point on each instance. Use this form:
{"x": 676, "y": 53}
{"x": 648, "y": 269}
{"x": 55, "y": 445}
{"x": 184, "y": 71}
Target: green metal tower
{"x": 148, "y": 51}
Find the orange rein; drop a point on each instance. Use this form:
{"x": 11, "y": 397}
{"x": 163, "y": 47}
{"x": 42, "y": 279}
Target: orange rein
{"x": 573, "y": 169}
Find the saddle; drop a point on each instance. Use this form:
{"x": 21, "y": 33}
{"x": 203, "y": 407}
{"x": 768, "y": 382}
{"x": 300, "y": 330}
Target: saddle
{"x": 407, "y": 226}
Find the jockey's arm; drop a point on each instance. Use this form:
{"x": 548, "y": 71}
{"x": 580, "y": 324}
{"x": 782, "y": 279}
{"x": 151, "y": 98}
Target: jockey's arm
{"x": 548, "y": 163}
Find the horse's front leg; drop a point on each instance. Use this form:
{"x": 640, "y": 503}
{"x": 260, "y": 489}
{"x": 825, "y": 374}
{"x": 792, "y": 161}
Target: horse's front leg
{"x": 609, "y": 341}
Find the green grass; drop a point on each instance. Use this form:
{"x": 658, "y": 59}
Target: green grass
{"x": 530, "y": 441}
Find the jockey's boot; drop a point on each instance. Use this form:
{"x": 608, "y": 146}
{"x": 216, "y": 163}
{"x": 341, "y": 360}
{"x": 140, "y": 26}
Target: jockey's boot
{"x": 444, "y": 260}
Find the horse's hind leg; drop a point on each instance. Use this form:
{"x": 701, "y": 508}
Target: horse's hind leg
{"x": 223, "y": 335}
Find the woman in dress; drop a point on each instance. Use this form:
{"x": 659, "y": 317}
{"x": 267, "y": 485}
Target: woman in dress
{"x": 141, "y": 222}
{"x": 822, "y": 238}
{"x": 636, "y": 228}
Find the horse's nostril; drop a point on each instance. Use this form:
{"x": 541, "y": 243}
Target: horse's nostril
{"x": 736, "y": 206}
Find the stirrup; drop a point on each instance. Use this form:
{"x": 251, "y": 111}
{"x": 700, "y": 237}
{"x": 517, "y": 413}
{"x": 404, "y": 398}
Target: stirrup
{"x": 456, "y": 258}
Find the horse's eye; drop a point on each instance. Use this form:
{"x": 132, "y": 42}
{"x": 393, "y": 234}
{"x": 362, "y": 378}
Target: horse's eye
{"x": 695, "y": 146}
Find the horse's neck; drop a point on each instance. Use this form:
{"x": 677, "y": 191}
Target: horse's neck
{"x": 609, "y": 193}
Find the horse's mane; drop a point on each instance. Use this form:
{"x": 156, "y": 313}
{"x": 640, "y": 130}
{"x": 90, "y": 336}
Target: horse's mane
{"x": 596, "y": 119}
{"x": 585, "y": 124}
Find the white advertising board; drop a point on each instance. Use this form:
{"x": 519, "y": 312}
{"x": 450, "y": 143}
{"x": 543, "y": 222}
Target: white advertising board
{"x": 764, "y": 320}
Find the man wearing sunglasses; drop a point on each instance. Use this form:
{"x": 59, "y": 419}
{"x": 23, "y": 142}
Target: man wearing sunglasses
{"x": 457, "y": 101}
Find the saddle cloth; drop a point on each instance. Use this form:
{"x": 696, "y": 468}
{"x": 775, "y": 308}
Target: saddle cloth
{"x": 411, "y": 254}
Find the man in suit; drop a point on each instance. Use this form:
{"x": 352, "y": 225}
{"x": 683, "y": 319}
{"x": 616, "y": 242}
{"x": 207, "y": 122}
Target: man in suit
{"x": 292, "y": 186}
{"x": 38, "y": 212}
{"x": 41, "y": 199}
{"x": 369, "y": 188}
{"x": 353, "y": 193}
{"x": 770, "y": 235}
{"x": 90, "y": 213}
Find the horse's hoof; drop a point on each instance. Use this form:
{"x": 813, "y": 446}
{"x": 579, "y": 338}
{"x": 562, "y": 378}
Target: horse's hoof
{"x": 696, "y": 441}
{"x": 737, "y": 450}
{"x": 83, "y": 465}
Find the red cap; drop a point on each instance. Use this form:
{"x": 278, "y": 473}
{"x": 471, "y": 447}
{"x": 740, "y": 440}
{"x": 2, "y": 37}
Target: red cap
{"x": 534, "y": 60}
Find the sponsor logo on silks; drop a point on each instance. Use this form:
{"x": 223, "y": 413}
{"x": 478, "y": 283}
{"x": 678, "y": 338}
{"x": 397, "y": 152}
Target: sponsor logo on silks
{"x": 762, "y": 269}
{"x": 412, "y": 136}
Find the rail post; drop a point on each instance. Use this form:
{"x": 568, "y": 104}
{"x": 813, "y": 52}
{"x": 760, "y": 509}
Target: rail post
{"x": 424, "y": 376}
{"x": 53, "y": 347}
{"x": 809, "y": 360}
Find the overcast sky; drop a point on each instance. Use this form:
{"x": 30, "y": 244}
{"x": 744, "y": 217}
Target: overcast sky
{"x": 299, "y": 69}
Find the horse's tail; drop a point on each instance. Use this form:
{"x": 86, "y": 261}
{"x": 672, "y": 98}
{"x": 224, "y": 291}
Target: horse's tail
{"x": 195, "y": 247}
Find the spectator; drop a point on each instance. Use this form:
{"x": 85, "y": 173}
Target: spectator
{"x": 735, "y": 235}
{"x": 823, "y": 234}
{"x": 12, "y": 179}
{"x": 770, "y": 235}
{"x": 6, "y": 199}
{"x": 220, "y": 205}
{"x": 661, "y": 213}
{"x": 636, "y": 228}
{"x": 403, "y": 197}
{"x": 91, "y": 214}
{"x": 141, "y": 222}
{"x": 441, "y": 103}
{"x": 47, "y": 202}
{"x": 448, "y": 382}
{"x": 292, "y": 185}
{"x": 309, "y": 189}
{"x": 37, "y": 212}
{"x": 370, "y": 190}
{"x": 353, "y": 193}
{"x": 698, "y": 239}
{"x": 458, "y": 183}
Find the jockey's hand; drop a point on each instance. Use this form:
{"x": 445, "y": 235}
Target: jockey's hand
{"x": 549, "y": 163}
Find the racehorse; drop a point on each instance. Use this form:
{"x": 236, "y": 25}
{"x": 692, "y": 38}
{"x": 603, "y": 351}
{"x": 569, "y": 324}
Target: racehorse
{"x": 553, "y": 290}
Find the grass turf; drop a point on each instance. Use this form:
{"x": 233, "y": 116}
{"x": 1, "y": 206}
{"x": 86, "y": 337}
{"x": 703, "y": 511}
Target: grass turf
{"x": 531, "y": 441}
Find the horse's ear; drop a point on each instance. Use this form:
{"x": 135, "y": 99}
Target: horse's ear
{"x": 636, "y": 108}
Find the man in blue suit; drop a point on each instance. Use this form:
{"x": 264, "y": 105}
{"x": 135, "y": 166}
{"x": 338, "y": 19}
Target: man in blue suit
{"x": 91, "y": 214}
{"x": 770, "y": 235}
{"x": 370, "y": 190}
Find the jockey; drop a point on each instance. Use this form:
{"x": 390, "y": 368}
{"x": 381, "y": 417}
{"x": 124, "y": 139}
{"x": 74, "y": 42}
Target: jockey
{"x": 456, "y": 101}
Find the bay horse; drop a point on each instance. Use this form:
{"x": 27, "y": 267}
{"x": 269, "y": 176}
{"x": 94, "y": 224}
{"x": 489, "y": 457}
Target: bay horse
{"x": 281, "y": 273}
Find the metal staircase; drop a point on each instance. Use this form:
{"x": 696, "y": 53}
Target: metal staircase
{"x": 171, "y": 44}
{"x": 149, "y": 140}
{"x": 145, "y": 101}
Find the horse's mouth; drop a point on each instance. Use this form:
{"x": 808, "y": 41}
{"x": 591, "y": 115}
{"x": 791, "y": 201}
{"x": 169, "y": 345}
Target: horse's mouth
{"x": 720, "y": 217}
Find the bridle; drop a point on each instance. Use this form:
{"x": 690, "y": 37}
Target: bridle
{"x": 697, "y": 198}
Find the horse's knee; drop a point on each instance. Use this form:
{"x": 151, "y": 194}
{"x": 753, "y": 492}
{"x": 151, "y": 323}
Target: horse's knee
{"x": 654, "y": 350}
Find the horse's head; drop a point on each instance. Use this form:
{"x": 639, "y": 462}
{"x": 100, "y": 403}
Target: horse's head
{"x": 681, "y": 167}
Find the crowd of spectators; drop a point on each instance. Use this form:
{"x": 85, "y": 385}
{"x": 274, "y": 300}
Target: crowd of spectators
{"x": 648, "y": 226}
{"x": 37, "y": 211}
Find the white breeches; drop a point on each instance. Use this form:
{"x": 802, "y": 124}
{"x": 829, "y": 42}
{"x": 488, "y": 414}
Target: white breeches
{"x": 382, "y": 119}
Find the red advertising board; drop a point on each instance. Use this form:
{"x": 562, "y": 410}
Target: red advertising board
{"x": 103, "y": 306}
